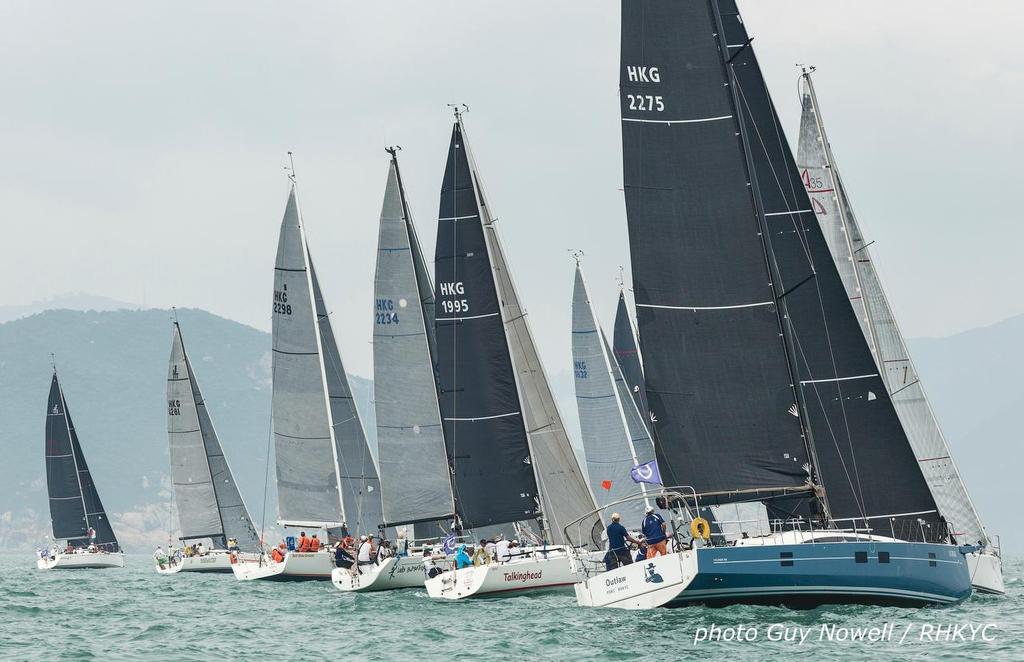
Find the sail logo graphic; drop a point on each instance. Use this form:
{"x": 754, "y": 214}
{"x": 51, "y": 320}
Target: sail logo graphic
{"x": 56, "y": 410}
{"x": 651, "y": 575}
{"x": 174, "y": 372}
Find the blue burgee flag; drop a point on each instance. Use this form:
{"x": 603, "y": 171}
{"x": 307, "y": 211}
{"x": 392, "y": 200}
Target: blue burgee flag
{"x": 449, "y": 543}
{"x": 646, "y": 473}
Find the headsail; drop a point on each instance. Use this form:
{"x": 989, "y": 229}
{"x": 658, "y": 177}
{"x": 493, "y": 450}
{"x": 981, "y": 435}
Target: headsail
{"x": 410, "y": 439}
{"x": 76, "y": 513}
{"x": 628, "y": 357}
{"x": 209, "y": 504}
{"x": 603, "y": 401}
{"x": 484, "y": 427}
{"x": 565, "y": 494}
{"x": 820, "y": 174}
{"x": 738, "y": 297}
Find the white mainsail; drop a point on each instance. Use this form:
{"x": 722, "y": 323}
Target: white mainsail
{"x": 209, "y": 504}
{"x": 410, "y": 438}
{"x": 846, "y": 242}
{"x": 565, "y": 495}
{"x": 325, "y": 474}
{"x": 613, "y": 441}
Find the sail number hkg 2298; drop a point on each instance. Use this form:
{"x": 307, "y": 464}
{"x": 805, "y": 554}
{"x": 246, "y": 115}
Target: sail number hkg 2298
{"x": 449, "y": 302}
{"x": 281, "y": 305}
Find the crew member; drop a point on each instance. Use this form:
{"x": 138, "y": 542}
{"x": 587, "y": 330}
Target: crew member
{"x": 654, "y": 529}
{"x": 618, "y": 552}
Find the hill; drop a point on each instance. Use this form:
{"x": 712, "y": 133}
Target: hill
{"x": 113, "y": 366}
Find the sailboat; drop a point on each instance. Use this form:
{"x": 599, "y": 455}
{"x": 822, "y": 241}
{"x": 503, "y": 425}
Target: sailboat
{"x": 615, "y": 438}
{"x": 761, "y": 382}
{"x": 76, "y": 513}
{"x": 327, "y": 479}
{"x": 209, "y": 505}
{"x": 514, "y": 470}
{"x": 830, "y": 201}
{"x": 415, "y": 478}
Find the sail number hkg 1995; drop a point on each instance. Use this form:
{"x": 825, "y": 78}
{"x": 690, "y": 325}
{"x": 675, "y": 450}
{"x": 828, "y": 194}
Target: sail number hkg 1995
{"x": 385, "y": 312}
{"x": 638, "y": 74}
{"x": 449, "y": 302}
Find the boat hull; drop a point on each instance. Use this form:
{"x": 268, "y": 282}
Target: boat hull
{"x": 556, "y": 571}
{"x": 986, "y": 573}
{"x": 64, "y": 561}
{"x": 393, "y": 573}
{"x": 297, "y": 566}
{"x": 792, "y": 575}
{"x": 217, "y": 561}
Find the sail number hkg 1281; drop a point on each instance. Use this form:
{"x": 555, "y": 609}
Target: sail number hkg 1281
{"x": 451, "y": 304}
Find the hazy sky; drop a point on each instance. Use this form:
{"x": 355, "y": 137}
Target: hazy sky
{"x": 143, "y": 144}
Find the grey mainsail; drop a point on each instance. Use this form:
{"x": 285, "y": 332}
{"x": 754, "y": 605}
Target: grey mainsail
{"x": 308, "y": 488}
{"x": 410, "y": 438}
{"x": 820, "y": 174}
{"x": 209, "y": 504}
{"x": 76, "y": 513}
{"x": 611, "y": 445}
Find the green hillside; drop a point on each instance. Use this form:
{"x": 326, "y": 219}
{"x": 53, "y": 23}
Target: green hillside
{"x": 113, "y": 367}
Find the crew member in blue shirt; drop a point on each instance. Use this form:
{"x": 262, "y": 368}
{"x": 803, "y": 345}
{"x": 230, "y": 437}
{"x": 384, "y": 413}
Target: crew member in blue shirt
{"x": 654, "y": 529}
{"x": 618, "y": 552}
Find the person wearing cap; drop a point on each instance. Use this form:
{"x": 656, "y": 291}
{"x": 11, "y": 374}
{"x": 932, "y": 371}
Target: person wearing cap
{"x": 502, "y": 550}
{"x": 342, "y": 557}
{"x": 654, "y": 529}
{"x": 618, "y": 551}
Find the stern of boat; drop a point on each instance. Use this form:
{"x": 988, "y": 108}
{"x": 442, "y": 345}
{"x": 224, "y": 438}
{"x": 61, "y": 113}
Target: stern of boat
{"x": 644, "y": 584}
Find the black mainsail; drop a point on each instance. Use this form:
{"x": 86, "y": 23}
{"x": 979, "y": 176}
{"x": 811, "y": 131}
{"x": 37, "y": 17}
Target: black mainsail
{"x": 76, "y": 511}
{"x": 484, "y": 429}
{"x": 756, "y": 367}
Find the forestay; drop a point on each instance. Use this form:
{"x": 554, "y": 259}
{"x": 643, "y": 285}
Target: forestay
{"x": 821, "y": 177}
{"x": 415, "y": 477}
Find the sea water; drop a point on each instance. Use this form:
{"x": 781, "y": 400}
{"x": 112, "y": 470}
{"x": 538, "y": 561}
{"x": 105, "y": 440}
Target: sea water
{"x": 134, "y": 614}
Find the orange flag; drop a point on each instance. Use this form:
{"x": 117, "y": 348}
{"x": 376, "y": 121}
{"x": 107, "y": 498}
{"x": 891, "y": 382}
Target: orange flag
{"x": 606, "y": 484}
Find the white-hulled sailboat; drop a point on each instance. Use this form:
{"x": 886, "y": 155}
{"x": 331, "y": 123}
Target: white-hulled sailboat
{"x": 76, "y": 513}
{"x": 513, "y": 467}
{"x": 210, "y": 507}
{"x": 326, "y": 477}
{"x": 820, "y": 174}
{"x": 415, "y": 479}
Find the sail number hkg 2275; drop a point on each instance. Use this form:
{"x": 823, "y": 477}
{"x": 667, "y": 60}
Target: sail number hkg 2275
{"x": 449, "y": 302}
{"x": 638, "y": 74}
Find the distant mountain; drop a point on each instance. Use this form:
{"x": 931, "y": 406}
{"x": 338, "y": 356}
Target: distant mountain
{"x": 973, "y": 381}
{"x": 70, "y": 301}
{"x": 113, "y": 367}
